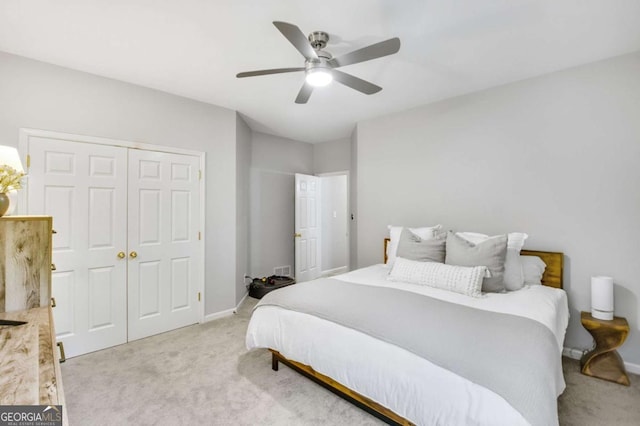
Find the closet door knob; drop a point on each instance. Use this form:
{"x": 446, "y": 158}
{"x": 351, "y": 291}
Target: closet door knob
{"x": 121, "y": 255}
{"x": 133, "y": 254}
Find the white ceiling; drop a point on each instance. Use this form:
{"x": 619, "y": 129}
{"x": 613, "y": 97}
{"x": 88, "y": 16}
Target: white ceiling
{"x": 194, "y": 48}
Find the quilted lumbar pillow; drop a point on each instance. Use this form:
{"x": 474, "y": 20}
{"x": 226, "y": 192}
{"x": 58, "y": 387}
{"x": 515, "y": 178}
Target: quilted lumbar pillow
{"x": 459, "y": 279}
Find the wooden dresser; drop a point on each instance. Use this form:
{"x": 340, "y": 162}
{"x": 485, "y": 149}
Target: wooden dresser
{"x": 29, "y": 355}
{"x": 25, "y": 262}
{"x": 29, "y": 367}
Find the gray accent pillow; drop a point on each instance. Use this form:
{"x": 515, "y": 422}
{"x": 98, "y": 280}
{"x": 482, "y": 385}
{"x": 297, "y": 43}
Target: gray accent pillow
{"x": 412, "y": 247}
{"x": 491, "y": 253}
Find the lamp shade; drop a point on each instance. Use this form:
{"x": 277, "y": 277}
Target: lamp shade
{"x": 9, "y": 157}
{"x": 602, "y": 298}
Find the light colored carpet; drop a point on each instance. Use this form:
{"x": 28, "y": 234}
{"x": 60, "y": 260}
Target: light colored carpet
{"x": 203, "y": 375}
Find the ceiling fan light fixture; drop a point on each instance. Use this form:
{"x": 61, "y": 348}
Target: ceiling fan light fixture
{"x": 320, "y": 65}
{"x": 319, "y": 77}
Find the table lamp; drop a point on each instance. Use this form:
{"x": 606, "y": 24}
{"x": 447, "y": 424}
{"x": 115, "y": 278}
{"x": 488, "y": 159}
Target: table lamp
{"x": 602, "y": 297}
{"x": 9, "y": 157}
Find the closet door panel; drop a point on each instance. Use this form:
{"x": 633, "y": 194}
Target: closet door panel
{"x": 163, "y": 232}
{"x": 83, "y": 186}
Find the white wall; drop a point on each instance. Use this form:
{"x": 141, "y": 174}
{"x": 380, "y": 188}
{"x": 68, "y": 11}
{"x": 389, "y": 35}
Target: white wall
{"x": 43, "y": 96}
{"x": 243, "y": 179}
{"x": 274, "y": 162}
{"x": 554, "y": 156}
{"x": 334, "y": 235}
{"x": 332, "y": 156}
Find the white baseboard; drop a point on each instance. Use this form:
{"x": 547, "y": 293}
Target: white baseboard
{"x": 240, "y": 302}
{"x": 334, "y": 271}
{"x": 577, "y": 354}
{"x": 226, "y": 312}
{"x": 572, "y": 353}
{"x": 632, "y": 368}
{"x": 221, "y": 314}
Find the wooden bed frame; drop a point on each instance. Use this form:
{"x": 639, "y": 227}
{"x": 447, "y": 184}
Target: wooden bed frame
{"x": 552, "y": 278}
{"x": 339, "y": 389}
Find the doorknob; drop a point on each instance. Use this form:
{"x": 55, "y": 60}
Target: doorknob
{"x": 133, "y": 254}
{"x": 121, "y": 255}
{"x": 297, "y": 235}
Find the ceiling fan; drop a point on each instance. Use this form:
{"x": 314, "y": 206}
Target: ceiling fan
{"x": 320, "y": 66}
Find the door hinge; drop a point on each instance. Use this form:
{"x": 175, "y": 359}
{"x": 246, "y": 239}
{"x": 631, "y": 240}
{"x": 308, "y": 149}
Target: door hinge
{"x": 199, "y": 174}
{"x": 28, "y": 161}
{"x": 198, "y": 296}
{"x": 199, "y": 235}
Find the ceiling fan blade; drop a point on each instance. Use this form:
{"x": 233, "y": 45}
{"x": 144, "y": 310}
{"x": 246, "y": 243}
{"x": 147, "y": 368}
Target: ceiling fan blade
{"x": 297, "y": 38}
{"x": 267, "y": 72}
{"x": 378, "y": 50}
{"x": 304, "y": 94}
{"x": 355, "y": 83}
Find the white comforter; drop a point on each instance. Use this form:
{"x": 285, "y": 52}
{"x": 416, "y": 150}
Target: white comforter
{"x": 410, "y": 386}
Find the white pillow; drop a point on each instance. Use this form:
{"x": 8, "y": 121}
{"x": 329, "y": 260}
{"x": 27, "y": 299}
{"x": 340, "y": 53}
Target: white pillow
{"x": 513, "y": 274}
{"x": 532, "y": 268}
{"x": 465, "y": 280}
{"x": 425, "y": 233}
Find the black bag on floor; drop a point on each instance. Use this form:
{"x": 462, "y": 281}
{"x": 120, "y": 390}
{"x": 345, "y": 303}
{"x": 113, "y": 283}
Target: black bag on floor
{"x": 261, "y": 286}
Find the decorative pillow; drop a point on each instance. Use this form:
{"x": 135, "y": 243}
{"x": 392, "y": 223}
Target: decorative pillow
{"x": 533, "y": 268}
{"x": 513, "y": 276}
{"x": 394, "y": 235}
{"x": 412, "y": 247}
{"x": 490, "y": 253}
{"x": 459, "y": 279}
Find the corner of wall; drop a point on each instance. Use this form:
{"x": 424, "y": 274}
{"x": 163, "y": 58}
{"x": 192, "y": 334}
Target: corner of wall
{"x": 243, "y": 168}
{"x": 353, "y": 197}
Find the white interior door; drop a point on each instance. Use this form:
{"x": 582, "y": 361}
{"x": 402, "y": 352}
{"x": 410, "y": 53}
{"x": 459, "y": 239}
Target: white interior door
{"x": 164, "y": 253}
{"x": 83, "y": 186}
{"x": 307, "y": 227}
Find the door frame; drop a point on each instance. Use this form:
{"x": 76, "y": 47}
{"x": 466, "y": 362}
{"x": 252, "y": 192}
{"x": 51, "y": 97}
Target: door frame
{"x": 23, "y": 146}
{"x": 348, "y": 218}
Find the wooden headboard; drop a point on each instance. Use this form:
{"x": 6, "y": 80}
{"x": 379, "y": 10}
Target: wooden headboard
{"x": 552, "y": 276}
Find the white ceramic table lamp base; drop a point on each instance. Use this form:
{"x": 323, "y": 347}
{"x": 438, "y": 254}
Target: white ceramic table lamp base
{"x": 602, "y": 298}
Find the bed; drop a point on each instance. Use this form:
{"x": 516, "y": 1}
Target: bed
{"x": 396, "y": 384}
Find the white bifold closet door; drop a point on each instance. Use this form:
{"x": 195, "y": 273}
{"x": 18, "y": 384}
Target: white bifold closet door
{"x": 163, "y": 242}
{"x": 126, "y": 245}
{"x": 84, "y": 187}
